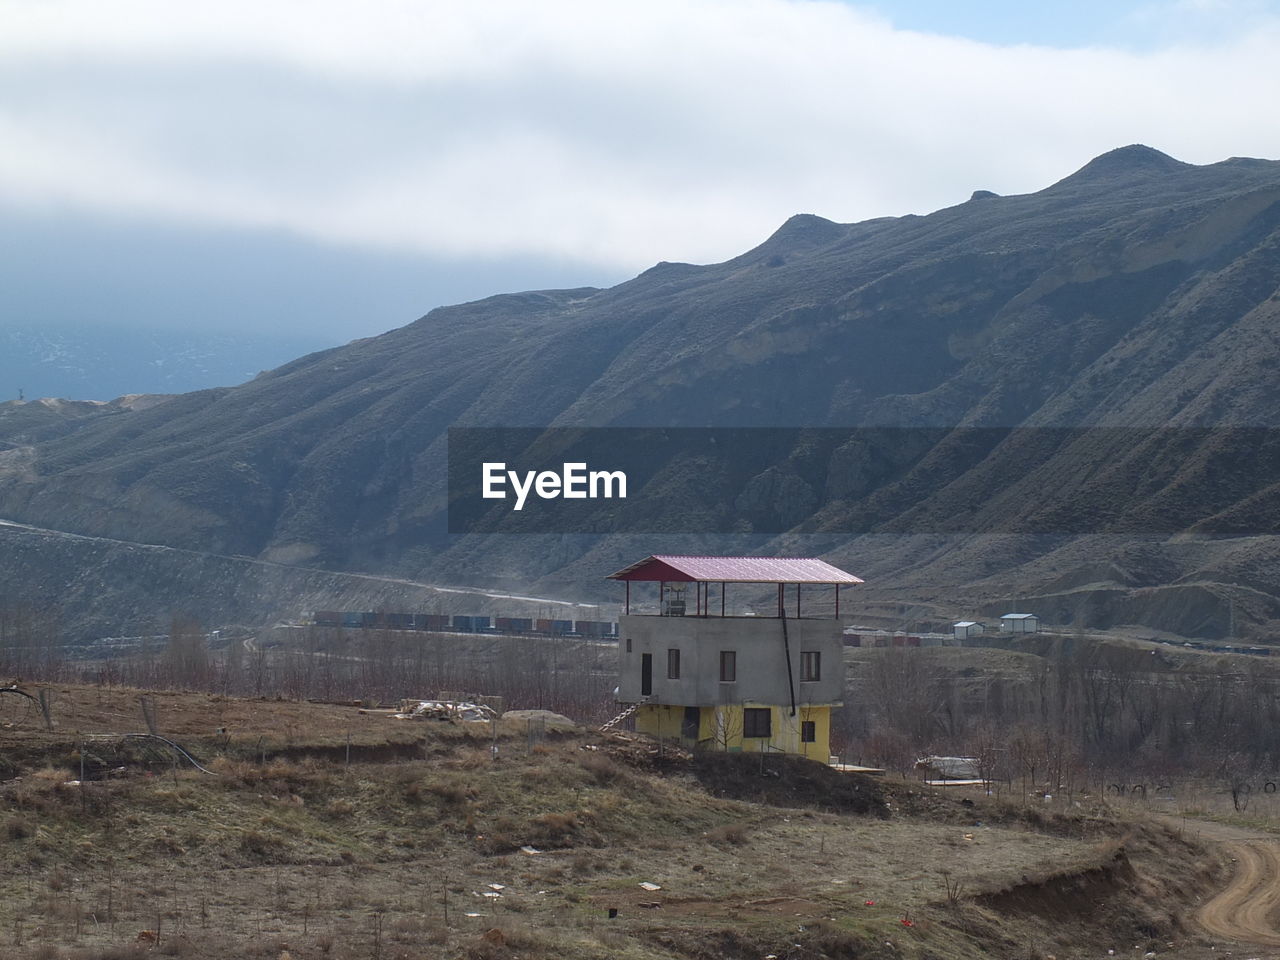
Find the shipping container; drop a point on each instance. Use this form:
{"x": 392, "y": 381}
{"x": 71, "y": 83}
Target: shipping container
{"x": 400, "y": 621}
{"x": 327, "y": 618}
{"x": 464, "y": 624}
{"x": 853, "y": 639}
{"x": 513, "y": 624}
{"x": 352, "y": 619}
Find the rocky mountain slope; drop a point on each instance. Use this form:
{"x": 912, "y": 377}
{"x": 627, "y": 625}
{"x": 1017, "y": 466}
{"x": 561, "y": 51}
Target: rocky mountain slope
{"x": 1139, "y": 294}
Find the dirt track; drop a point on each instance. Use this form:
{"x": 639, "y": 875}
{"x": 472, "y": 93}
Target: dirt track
{"x": 1249, "y": 908}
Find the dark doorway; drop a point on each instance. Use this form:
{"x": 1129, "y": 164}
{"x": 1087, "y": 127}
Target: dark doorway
{"x": 689, "y": 728}
{"x": 646, "y": 674}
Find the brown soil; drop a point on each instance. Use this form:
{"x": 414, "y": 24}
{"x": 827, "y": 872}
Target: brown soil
{"x": 782, "y": 780}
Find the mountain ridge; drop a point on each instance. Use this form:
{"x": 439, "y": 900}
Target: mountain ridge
{"x": 1139, "y": 290}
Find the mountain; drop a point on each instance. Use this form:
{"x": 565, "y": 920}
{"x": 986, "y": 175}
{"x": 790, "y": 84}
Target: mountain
{"x": 1137, "y": 298}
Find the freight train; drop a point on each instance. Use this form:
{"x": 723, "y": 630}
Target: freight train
{"x": 443, "y": 623}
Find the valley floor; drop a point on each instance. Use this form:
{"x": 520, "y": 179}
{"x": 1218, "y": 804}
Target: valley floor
{"x": 441, "y": 840}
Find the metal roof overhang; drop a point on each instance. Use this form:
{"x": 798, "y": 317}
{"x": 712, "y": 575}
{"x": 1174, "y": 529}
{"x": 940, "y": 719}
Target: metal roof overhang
{"x": 678, "y": 569}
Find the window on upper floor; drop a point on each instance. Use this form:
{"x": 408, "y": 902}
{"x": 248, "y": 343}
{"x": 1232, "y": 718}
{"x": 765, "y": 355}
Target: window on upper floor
{"x": 810, "y": 665}
{"x": 673, "y": 664}
{"x": 728, "y": 666}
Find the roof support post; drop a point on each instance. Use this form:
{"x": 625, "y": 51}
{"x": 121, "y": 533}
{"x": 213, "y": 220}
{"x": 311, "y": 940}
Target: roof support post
{"x": 722, "y": 600}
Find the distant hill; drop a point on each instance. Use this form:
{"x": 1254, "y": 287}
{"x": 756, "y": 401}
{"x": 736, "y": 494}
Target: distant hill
{"x": 95, "y": 361}
{"x": 1138, "y": 292}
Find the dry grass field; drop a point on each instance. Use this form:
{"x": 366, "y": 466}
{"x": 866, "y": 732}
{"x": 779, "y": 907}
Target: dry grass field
{"x": 442, "y": 840}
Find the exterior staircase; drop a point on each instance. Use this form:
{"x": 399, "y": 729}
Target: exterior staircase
{"x": 610, "y": 724}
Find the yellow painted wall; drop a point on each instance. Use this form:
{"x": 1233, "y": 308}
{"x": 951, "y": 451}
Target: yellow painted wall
{"x": 658, "y": 720}
{"x": 720, "y": 728}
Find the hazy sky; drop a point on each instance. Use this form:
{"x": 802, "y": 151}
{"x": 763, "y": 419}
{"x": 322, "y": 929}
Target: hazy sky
{"x": 341, "y": 167}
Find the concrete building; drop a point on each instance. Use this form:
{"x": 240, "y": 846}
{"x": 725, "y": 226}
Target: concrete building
{"x": 696, "y": 673}
{"x": 1019, "y": 623}
{"x": 964, "y": 629}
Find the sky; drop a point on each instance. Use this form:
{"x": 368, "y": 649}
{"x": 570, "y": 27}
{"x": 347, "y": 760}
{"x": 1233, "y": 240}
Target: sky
{"x": 334, "y": 169}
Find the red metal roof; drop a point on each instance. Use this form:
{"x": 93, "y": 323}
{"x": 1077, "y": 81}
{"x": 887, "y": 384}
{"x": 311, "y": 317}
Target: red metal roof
{"x": 734, "y": 570}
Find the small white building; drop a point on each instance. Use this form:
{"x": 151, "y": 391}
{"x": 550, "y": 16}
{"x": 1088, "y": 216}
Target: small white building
{"x": 967, "y": 628}
{"x": 1019, "y": 623}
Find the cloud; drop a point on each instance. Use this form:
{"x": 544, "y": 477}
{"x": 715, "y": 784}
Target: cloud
{"x": 616, "y": 133}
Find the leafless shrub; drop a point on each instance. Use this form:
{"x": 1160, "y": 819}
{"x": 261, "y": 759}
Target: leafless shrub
{"x": 730, "y": 834}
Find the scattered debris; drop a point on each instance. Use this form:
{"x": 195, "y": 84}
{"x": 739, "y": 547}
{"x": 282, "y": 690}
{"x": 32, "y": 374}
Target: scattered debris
{"x": 646, "y": 885}
{"x": 951, "y": 771}
{"x": 497, "y": 886}
{"x": 531, "y": 851}
{"x": 451, "y": 710}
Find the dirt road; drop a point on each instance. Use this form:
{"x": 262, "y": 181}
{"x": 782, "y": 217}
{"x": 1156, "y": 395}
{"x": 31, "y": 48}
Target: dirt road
{"x": 1248, "y": 909}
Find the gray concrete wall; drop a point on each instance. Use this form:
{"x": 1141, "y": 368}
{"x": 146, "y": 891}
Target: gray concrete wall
{"x": 761, "y": 659}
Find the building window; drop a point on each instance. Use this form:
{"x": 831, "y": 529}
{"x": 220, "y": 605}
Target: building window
{"x": 628, "y": 644}
{"x": 757, "y": 722}
{"x": 811, "y": 665}
{"x": 808, "y": 731}
{"x": 728, "y": 666}
{"x": 673, "y": 664}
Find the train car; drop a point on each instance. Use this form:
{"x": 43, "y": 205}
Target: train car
{"x": 399, "y": 621}
{"x": 434, "y": 622}
{"x": 327, "y": 618}
{"x": 590, "y": 628}
{"x": 513, "y": 624}
{"x": 372, "y": 620}
{"x": 352, "y": 620}
{"x": 853, "y": 639}
{"x": 463, "y": 624}
{"x": 482, "y": 624}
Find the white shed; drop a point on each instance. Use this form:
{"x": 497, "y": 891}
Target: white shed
{"x": 1019, "y": 623}
{"x": 967, "y": 628}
